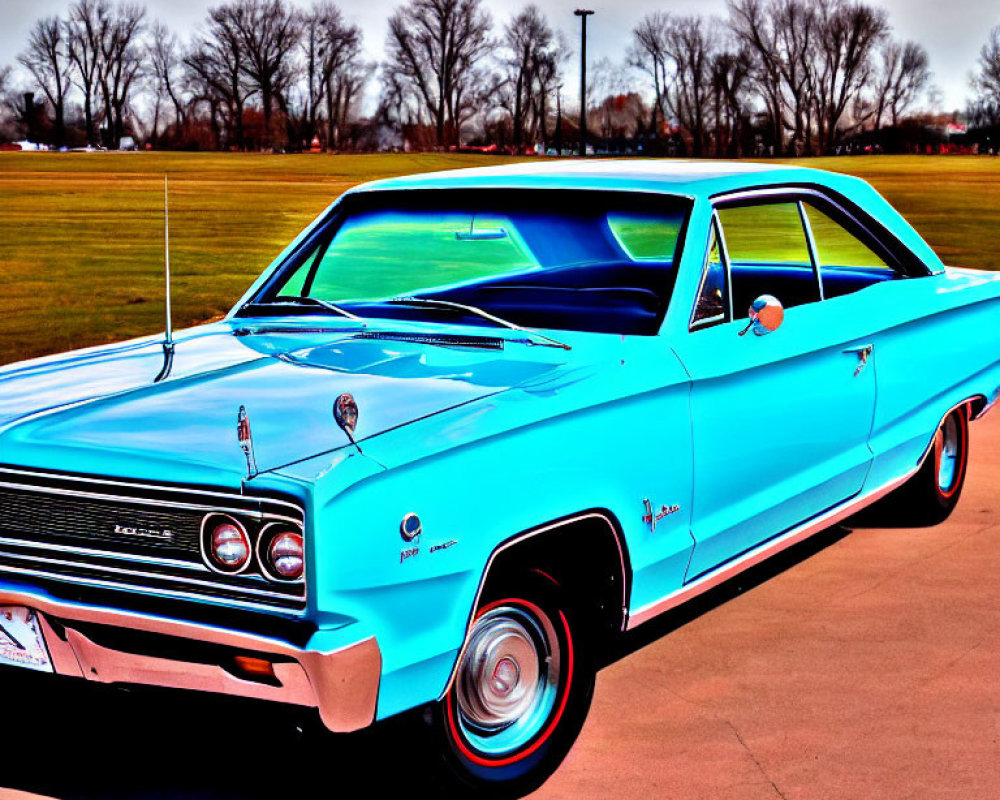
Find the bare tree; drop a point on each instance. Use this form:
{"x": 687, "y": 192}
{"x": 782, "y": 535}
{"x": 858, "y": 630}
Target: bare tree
{"x": 120, "y": 64}
{"x": 849, "y": 35}
{"x": 89, "y": 26}
{"x": 692, "y": 46}
{"x": 215, "y": 72}
{"x": 752, "y": 23}
{"x": 697, "y": 82}
{"x": 904, "y": 73}
{"x": 796, "y": 25}
{"x": 731, "y": 70}
{"x": 269, "y": 33}
{"x": 47, "y": 59}
{"x": 531, "y": 71}
{"x": 312, "y": 51}
{"x": 435, "y": 48}
{"x": 8, "y": 125}
{"x": 986, "y": 82}
{"x": 548, "y": 80}
{"x": 344, "y": 89}
{"x": 649, "y": 52}
{"x": 166, "y": 65}
{"x": 335, "y": 72}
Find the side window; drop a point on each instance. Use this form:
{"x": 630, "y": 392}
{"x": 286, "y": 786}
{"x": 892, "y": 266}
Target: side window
{"x": 846, "y": 263}
{"x": 712, "y": 305}
{"x": 768, "y": 254}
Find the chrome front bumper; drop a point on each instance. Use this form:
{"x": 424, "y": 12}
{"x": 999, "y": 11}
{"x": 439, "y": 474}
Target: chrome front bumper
{"x": 342, "y": 683}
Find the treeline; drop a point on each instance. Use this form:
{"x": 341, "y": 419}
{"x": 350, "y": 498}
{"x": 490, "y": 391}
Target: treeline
{"x": 773, "y": 77}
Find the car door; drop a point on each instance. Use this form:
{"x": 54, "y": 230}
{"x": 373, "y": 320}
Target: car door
{"x": 780, "y": 422}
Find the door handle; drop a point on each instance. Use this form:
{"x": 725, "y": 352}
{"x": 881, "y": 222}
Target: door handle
{"x": 863, "y": 352}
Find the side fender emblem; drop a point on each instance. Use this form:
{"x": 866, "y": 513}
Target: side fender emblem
{"x": 651, "y": 519}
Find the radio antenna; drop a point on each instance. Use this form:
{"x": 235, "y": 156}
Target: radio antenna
{"x": 168, "y": 340}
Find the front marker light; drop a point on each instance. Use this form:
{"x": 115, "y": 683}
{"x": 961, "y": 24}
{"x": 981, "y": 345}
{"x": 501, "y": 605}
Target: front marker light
{"x": 285, "y": 555}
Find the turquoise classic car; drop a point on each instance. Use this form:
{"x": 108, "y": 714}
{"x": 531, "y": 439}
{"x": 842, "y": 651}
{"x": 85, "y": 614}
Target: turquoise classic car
{"x": 469, "y": 427}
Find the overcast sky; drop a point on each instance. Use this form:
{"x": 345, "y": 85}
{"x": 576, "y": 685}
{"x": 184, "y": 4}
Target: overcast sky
{"x": 952, "y": 30}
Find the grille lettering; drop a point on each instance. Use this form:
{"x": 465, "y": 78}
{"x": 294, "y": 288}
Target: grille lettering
{"x": 151, "y": 533}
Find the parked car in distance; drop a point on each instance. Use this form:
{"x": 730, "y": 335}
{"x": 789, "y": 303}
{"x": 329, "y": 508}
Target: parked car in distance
{"x": 469, "y": 427}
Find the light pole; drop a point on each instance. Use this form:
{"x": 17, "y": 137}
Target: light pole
{"x": 583, "y": 13}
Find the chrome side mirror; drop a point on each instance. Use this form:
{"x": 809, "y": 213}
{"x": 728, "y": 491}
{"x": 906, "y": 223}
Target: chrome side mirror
{"x": 766, "y": 315}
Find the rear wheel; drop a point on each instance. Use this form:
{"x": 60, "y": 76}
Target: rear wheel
{"x": 930, "y": 496}
{"x": 520, "y": 695}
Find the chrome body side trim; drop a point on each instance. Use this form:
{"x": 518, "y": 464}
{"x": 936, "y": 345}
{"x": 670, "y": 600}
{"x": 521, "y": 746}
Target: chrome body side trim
{"x": 517, "y": 540}
{"x": 342, "y": 683}
{"x": 773, "y": 546}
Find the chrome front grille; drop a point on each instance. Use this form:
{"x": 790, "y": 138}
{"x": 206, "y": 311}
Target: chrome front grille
{"x": 112, "y": 535}
{"x": 67, "y": 518}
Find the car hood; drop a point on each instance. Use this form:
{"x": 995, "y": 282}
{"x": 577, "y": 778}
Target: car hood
{"x": 102, "y": 412}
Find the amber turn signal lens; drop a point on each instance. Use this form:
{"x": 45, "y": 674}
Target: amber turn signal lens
{"x": 254, "y": 667}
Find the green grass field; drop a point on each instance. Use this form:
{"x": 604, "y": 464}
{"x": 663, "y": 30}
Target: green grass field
{"x": 81, "y": 235}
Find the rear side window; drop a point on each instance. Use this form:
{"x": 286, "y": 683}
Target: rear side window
{"x": 846, "y": 263}
{"x": 768, "y": 254}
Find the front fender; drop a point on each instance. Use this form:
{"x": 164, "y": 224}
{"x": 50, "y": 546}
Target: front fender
{"x": 476, "y": 478}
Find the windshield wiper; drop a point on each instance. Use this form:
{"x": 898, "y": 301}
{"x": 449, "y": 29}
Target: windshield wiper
{"x": 429, "y": 302}
{"x": 287, "y": 300}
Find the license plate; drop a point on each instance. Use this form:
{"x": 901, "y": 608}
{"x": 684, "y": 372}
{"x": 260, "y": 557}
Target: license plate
{"x": 21, "y": 640}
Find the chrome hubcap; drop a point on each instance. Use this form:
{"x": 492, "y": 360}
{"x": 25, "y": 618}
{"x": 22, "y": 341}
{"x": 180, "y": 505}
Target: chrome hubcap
{"x": 948, "y": 454}
{"x": 508, "y": 679}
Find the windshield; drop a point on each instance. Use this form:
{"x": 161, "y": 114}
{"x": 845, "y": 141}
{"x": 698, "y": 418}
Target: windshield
{"x": 590, "y": 261}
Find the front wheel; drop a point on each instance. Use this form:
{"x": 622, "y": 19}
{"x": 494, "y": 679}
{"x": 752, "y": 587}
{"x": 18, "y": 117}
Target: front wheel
{"x": 520, "y": 694}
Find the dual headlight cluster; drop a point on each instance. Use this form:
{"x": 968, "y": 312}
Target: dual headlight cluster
{"x": 229, "y": 548}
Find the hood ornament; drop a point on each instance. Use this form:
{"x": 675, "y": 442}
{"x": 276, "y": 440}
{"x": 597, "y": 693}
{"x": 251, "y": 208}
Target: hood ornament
{"x": 245, "y": 439}
{"x": 345, "y": 412}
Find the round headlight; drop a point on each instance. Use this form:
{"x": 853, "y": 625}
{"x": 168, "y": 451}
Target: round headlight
{"x": 229, "y": 546}
{"x": 285, "y": 555}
